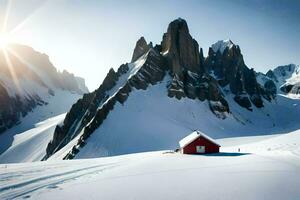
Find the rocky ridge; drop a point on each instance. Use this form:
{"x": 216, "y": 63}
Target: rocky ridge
{"x": 192, "y": 76}
{"x": 26, "y": 77}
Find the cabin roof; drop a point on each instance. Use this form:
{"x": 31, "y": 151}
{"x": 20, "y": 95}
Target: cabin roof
{"x": 193, "y": 136}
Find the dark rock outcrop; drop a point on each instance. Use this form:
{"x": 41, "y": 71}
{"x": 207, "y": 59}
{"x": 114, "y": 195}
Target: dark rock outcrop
{"x": 181, "y": 50}
{"x": 83, "y": 111}
{"x": 152, "y": 71}
{"x": 186, "y": 65}
{"x": 13, "y": 108}
{"x": 30, "y": 68}
{"x": 140, "y": 49}
{"x": 286, "y": 78}
{"x": 228, "y": 66}
{"x": 295, "y": 89}
{"x": 190, "y": 75}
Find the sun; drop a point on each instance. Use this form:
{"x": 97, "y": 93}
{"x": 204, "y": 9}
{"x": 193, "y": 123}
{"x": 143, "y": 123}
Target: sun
{"x": 5, "y": 39}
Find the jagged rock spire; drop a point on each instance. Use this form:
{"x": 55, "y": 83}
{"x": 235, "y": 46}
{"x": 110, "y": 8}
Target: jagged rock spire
{"x": 181, "y": 50}
{"x": 141, "y": 48}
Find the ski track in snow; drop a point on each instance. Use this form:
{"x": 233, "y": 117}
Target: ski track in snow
{"x": 50, "y": 181}
{"x": 256, "y": 172}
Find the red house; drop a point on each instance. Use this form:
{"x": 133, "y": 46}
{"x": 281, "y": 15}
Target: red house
{"x": 198, "y": 143}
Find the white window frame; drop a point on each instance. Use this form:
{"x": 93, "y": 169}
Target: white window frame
{"x": 200, "y": 149}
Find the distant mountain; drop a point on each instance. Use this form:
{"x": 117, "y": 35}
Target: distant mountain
{"x": 286, "y": 78}
{"x": 31, "y": 90}
{"x": 27, "y": 79}
{"x": 166, "y": 91}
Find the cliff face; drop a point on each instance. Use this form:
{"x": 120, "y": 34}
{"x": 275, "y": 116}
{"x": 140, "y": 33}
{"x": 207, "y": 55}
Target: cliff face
{"x": 177, "y": 59}
{"x": 226, "y": 63}
{"x": 140, "y": 49}
{"x": 181, "y": 50}
{"x": 286, "y": 78}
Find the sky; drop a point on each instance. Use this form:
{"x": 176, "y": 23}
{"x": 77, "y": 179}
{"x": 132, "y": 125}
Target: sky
{"x": 87, "y": 37}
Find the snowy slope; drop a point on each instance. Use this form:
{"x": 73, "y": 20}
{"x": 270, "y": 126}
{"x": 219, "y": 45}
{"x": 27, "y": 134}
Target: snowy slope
{"x": 35, "y": 130}
{"x": 31, "y": 91}
{"x": 28, "y": 79}
{"x": 126, "y": 129}
{"x": 152, "y": 103}
{"x": 31, "y": 145}
{"x": 228, "y": 175}
{"x": 276, "y": 144}
{"x": 288, "y": 74}
{"x": 286, "y": 79}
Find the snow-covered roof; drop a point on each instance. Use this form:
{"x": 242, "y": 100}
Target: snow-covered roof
{"x": 193, "y": 136}
{"x": 221, "y": 45}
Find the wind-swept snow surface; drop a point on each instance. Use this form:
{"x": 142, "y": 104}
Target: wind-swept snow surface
{"x": 31, "y": 145}
{"x": 259, "y": 171}
{"x": 28, "y": 140}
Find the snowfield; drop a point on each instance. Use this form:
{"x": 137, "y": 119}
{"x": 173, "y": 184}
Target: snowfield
{"x": 28, "y": 140}
{"x": 31, "y": 145}
{"x": 267, "y": 167}
{"x": 151, "y": 121}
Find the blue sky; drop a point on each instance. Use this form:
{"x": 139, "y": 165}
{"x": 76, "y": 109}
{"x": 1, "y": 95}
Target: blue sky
{"x": 87, "y": 37}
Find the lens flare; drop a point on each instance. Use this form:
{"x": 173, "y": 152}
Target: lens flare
{"x": 4, "y": 40}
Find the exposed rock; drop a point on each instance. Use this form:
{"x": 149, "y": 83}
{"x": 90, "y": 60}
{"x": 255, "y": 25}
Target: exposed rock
{"x": 226, "y": 63}
{"x": 191, "y": 76}
{"x": 33, "y": 79}
{"x": 83, "y": 111}
{"x": 271, "y": 75}
{"x": 176, "y": 88}
{"x": 270, "y": 89}
{"x": 180, "y": 49}
{"x": 151, "y": 72}
{"x": 295, "y": 89}
{"x": 286, "y": 78}
{"x": 140, "y": 49}
{"x": 93, "y": 108}
{"x": 187, "y": 66}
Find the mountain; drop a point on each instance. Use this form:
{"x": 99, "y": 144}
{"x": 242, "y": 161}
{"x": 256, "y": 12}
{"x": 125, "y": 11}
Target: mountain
{"x": 166, "y": 91}
{"x": 286, "y": 78}
{"x": 26, "y": 78}
{"x": 32, "y": 90}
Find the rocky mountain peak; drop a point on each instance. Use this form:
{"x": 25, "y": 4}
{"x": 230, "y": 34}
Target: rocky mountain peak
{"x": 141, "y": 48}
{"x": 176, "y": 66}
{"x": 34, "y": 82}
{"x": 226, "y": 63}
{"x": 221, "y": 45}
{"x": 180, "y": 49}
{"x": 286, "y": 78}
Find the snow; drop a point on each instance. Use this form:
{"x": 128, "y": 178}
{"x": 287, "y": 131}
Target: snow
{"x": 23, "y": 87}
{"x": 133, "y": 68}
{"x": 275, "y": 144}
{"x": 194, "y": 135}
{"x": 149, "y": 121}
{"x": 31, "y": 145}
{"x": 286, "y": 75}
{"x": 36, "y": 128}
{"x": 254, "y": 173}
{"x": 221, "y": 45}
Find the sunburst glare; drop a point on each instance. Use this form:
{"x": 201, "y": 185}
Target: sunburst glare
{"x": 5, "y": 39}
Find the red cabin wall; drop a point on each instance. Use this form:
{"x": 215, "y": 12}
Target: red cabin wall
{"x": 210, "y": 147}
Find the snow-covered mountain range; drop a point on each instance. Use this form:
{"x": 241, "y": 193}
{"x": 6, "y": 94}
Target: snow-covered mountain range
{"x": 286, "y": 78}
{"x": 31, "y": 90}
{"x": 166, "y": 91}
